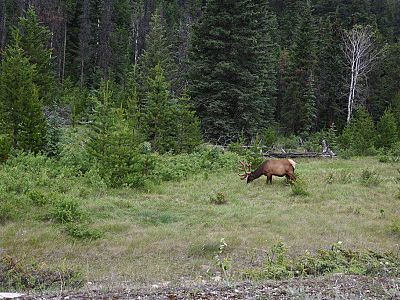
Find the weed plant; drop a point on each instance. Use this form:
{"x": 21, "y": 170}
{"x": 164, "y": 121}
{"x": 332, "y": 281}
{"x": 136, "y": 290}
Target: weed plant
{"x": 369, "y": 178}
{"x": 279, "y": 265}
{"x": 17, "y": 276}
{"x": 299, "y": 188}
{"x": 219, "y": 199}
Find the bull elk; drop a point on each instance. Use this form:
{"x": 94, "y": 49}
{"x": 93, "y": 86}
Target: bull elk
{"x": 277, "y": 167}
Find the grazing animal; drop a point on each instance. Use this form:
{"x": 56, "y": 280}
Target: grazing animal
{"x": 277, "y": 167}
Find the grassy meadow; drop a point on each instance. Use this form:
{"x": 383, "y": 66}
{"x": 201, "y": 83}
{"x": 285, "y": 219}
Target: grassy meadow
{"x": 172, "y": 231}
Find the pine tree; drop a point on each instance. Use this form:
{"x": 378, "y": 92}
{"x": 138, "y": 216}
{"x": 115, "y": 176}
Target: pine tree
{"x": 33, "y": 39}
{"x": 233, "y": 69}
{"x": 20, "y": 109}
{"x": 158, "y": 114}
{"x": 387, "y": 130}
{"x": 360, "y": 135}
{"x": 298, "y": 111}
{"x": 188, "y": 134}
{"x": 115, "y": 144}
{"x": 330, "y": 74}
{"x": 157, "y": 52}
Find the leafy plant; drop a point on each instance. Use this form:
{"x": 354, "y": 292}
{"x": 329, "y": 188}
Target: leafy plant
{"x": 219, "y": 199}
{"x": 299, "y": 188}
{"x": 83, "y": 231}
{"x": 223, "y": 263}
{"x": 17, "y": 276}
{"x": 66, "y": 210}
{"x": 369, "y": 178}
{"x": 280, "y": 265}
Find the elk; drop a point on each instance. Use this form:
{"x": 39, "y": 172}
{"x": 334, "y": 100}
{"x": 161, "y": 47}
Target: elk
{"x": 277, "y": 167}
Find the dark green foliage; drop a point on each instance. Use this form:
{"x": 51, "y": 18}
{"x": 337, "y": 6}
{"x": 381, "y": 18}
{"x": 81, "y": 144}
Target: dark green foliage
{"x": 20, "y": 108}
{"x": 188, "y": 134}
{"x": 15, "y": 275}
{"x": 5, "y": 147}
{"x": 233, "y": 94}
{"x": 157, "y": 52}
{"x": 116, "y": 145}
{"x": 279, "y": 265}
{"x": 299, "y": 102}
{"x": 158, "y": 115}
{"x": 360, "y": 135}
{"x": 387, "y": 130}
{"x": 33, "y": 38}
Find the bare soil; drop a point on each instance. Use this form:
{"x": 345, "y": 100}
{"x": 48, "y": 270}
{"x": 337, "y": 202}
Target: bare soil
{"x": 331, "y": 287}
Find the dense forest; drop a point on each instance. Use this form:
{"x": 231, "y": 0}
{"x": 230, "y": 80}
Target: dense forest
{"x": 171, "y": 74}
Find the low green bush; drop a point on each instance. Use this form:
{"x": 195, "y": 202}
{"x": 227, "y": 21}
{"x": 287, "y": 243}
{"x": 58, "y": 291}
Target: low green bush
{"x": 66, "y": 210}
{"x": 369, "y": 178}
{"x": 299, "y": 188}
{"x": 17, "y": 276}
{"x": 83, "y": 231}
{"x": 279, "y": 265}
{"x": 219, "y": 199}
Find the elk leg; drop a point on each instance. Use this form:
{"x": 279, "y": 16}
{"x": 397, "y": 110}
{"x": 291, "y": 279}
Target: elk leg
{"x": 292, "y": 177}
{"x": 269, "y": 178}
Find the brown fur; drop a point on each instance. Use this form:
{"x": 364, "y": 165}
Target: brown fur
{"x": 277, "y": 167}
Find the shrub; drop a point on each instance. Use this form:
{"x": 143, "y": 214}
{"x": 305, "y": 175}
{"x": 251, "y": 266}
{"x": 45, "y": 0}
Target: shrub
{"x": 359, "y": 135}
{"x": 387, "y": 130}
{"x": 66, "y": 210}
{"x": 83, "y": 231}
{"x": 395, "y": 227}
{"x": 299, "y": 188}
{"x": 5, "y": 147}
{"x": 279, "y": 265}
{"x": 219, "y": 199}
{"x": 73, "y": 150}
{"x": 369, "y": 178}
{"x": 17, "y": 276}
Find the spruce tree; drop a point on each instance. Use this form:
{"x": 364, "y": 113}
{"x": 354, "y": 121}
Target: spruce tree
{"x": 20, "y": 108}
{"x": 34, "y": 39}
{"x": 158, "y": 114}
{"x": 157, "y": 52}
{"x": 188, "y": 134}
{"x": 233, "y": 69}
{"x": 298, "y": 108}
{"x": 387, "y": 130}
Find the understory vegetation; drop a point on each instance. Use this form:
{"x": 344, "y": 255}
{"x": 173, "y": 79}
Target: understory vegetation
{"x": 51, "y": 209}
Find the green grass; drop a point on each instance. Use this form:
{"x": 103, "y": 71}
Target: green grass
{"x": 172, "y": 232}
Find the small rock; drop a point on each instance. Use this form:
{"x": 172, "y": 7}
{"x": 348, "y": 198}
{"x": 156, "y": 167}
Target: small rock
{"x": 10, "y": 295}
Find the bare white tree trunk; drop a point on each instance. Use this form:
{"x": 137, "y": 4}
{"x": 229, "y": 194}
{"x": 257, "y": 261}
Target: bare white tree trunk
{"x": 361, "y": 54}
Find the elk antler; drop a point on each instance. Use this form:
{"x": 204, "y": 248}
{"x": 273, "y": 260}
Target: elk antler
{"x": 246, "y": 172}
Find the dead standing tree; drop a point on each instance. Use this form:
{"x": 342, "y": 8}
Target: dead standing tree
{"x": 361, "y": 53}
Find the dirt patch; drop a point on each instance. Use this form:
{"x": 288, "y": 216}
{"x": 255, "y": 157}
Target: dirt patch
{"x": 332, "y": 287}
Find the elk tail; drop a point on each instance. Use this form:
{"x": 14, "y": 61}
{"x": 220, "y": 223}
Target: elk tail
{"x": 293, "y": 163}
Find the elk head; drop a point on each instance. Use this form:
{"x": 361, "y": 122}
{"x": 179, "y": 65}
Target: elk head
{"x": 247, "y": 172}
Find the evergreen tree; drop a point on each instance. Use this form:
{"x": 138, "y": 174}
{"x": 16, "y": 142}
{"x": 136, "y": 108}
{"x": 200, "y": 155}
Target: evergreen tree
{"x": 298, "y": 111}
{"x": 387, "y": 130}
{"x": 158, "y": 114}
{"x": 157, "y": 52}
{"x": 116, "y": 144}
{"x": 331, "y": 72}
{"x": 33, "y": 38}
{"x": 20, "y": 108}
{"x": 360, "y": 134}
{"x": 188, "y": 134}
{"x": 233, "y": 69}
